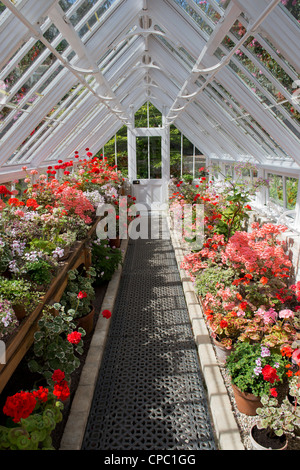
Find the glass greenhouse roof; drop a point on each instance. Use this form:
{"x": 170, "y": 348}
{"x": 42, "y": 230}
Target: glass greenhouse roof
{"x": 73, "y": 72}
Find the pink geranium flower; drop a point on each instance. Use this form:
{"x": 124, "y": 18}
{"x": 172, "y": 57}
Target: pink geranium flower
{"x": 286, "y": 314}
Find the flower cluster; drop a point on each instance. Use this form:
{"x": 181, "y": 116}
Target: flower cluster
{"x": 61, "y": 389}
{"x": 19, "y": 406}
{"x": 241, "y": 275}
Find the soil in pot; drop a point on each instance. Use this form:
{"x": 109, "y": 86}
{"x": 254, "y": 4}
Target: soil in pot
{"x": 267, "y": 440}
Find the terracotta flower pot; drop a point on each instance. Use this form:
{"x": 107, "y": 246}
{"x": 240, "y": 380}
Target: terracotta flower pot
{"x": 247, "y": 403}
{"x": 20, "y": 311}
{"x": 221, "y": 352}
{"x": 262, "y": 439}
{"x": 87, "y": 322}
{"x": 115, "y": 242}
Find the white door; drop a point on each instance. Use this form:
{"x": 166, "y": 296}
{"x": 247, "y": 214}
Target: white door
{"x": 152, "y": 193}
{"x": 150, "y": 187}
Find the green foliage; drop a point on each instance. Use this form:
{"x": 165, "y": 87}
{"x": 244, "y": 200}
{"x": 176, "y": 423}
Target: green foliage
{"x": 39, "y": 271}
{"x": 209, "y": 280}
{"x": 187, "y": 178}
{"x": 242, "y": 364}
{"x": 19, "y": 292}
{"x": 51, "y": 349}
{"x": 105, "y": 260}
{"x": 234, "y": 215}
{"x": 79, "y": 282}
{"x": 5, "y": 257}
{"x": 44, "y": 245}
{"x": 34, "y": 432}
{"x": 276, "y": 418}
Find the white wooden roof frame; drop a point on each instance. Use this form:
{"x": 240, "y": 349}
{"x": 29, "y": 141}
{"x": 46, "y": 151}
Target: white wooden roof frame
{"x": 136, "y": 67}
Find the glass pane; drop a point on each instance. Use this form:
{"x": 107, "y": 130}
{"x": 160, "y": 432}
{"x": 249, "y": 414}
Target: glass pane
{"x": 202, "y": 16}
{"x": 293, "y": 7}
{"x": 188, "y": 157}
{"x": 155, "y": 157}
{"x": 148, "y": 167}
{"x": 291, "y": 192}
{"x": 141, "y": 116}
{"x": 66, "y": 4}
{"x": 276, "y": 189}
{"x": 24, "y": 64}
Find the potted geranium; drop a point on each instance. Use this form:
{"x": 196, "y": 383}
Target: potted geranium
{"x": 21, "y": 295}
{"x": 32, "y": 416}
{"x": 276, "y": 420}
{"x": 254, "y": 370}
{"x": 225, "y": 330}
{"x": 78, "y": 297}
{"x": 53, "y": 347}
{"x": 272, "y": 329}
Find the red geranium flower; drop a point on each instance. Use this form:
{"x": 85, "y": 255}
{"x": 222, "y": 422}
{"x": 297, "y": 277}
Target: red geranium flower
{"x": 41, "y": 394}
{"x": 58, "y": 375}
{"x": 106, "y": 313}
{"x": 61, "y": 390}
{"x": 243, "y": 305}
{"x": 4, "y": 190}
{"x": 32, "y": 203}
{"x": 82, "y": 295}
{"x": 223, "y": 323}
{"x": 74, "y": 337}
{"x": 19, "y": 406}
{"x": 269, "y": 374}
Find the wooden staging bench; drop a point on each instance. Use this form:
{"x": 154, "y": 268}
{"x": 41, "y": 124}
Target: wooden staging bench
{"x": 18, "y": 345}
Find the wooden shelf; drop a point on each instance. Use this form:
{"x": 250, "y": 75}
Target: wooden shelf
{"x": 22, "y": 340}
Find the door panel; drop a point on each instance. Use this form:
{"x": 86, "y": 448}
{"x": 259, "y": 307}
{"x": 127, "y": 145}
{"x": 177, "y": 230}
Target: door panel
{"x": 151, "y": 193}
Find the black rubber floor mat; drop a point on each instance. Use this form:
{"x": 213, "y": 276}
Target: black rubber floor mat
{"x": 150, "y": 394}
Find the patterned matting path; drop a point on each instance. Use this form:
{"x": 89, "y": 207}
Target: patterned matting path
{"x": 150, "y": 394}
